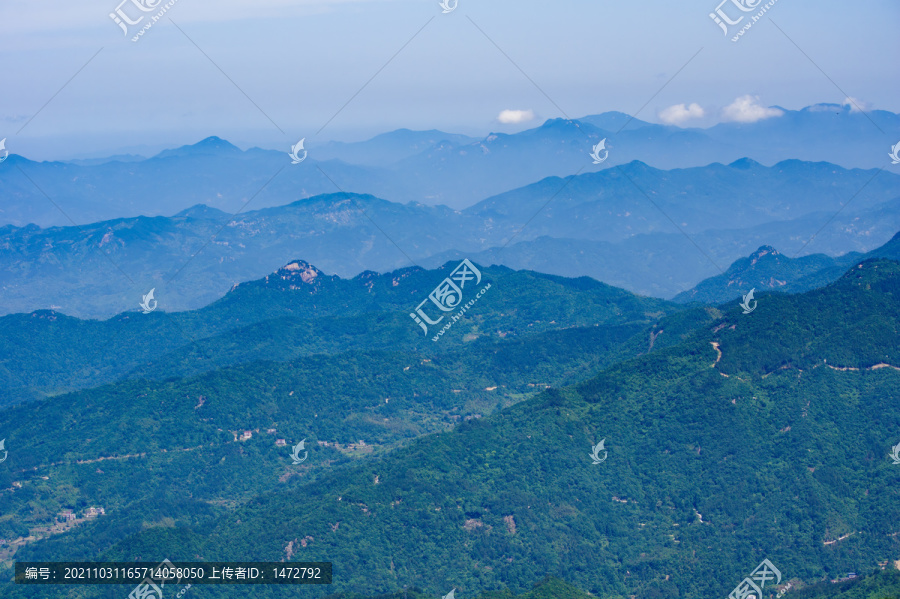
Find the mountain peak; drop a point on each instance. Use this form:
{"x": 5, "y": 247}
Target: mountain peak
{"x": 294, "y": 276}
{"x": 299, "y": 269}
{"x": 764, "y": 250}
{"x": 201, "y": 211}
{"x": 614, "y": 121}
{"x": 559, "y": 123}
{"x": 214, "y": 142}
{"x": 745, "y": 164}
{"x": 210, "y": 146}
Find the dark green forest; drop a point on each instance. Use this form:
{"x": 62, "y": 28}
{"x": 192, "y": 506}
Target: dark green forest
{"x": 731, "y": 438}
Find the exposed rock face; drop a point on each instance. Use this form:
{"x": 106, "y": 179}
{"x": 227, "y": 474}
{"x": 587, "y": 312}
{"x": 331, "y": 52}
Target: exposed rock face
{"x": 306, "y": 272}
{"x": 295, "y": 275}
{"x": 762, "y": 251}
{"x": 510, "y": 524}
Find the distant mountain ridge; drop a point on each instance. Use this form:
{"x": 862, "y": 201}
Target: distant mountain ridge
{"x": 614, "y": 225}
{"x": 768, "y": 270}
{"x": 387, "y": 148}
{"x": 430, "y": 167}
{"x": 602, "y": 221}
{"x": 295, "y": 311}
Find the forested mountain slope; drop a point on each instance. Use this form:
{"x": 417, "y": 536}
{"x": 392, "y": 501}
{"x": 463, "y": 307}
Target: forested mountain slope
{"x": 297, "y": 311}
{"x": 776, "y": 448}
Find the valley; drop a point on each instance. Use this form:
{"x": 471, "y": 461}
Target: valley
{"x": 382, "y": 470}
{"x": 367, "y": 299}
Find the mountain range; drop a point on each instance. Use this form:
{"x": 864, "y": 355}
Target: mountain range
{"x": 297, "y": 311}
{"x": 289, "y": 311}
{"x": 651, "y": 231}
{"x": 516, "y": 371}
{"x": 767, "y": 269}
{"x": 728, "y": 438}
{"x": 427, "y": 167}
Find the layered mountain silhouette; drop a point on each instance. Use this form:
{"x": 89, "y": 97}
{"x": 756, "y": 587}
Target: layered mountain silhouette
{"x": 428, "y": 167}
{"x": 651, "y": 231}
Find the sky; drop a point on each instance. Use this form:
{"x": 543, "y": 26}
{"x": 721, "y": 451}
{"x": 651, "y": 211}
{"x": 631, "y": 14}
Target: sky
{"x": 268, "y": 72}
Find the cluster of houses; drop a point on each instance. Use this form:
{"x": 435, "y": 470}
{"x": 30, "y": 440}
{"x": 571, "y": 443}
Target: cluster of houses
{"x": 91, "y": 512}
{"x": 248, "y": 434}
{"x": 358, "y": 445}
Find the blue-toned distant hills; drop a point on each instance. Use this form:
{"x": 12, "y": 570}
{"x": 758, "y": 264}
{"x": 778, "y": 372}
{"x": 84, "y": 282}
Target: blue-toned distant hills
{"x": 647, "y": 230}
{"x": 767, "y": 269}
{"x": 668, "y": 209}
{"x": 429, "y": 167}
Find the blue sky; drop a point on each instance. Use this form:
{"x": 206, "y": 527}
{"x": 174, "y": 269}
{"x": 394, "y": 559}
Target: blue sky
{"x": 299, "y": 62}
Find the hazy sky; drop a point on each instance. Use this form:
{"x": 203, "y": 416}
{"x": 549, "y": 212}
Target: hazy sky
{"x": 300, "y": 62}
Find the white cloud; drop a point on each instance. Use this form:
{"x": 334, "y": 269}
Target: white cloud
{"x": 856, "y": 105}
{"x": 679, "y": 113}
{"x": 747, "y": 109}
{"x": 514, "y": 117}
